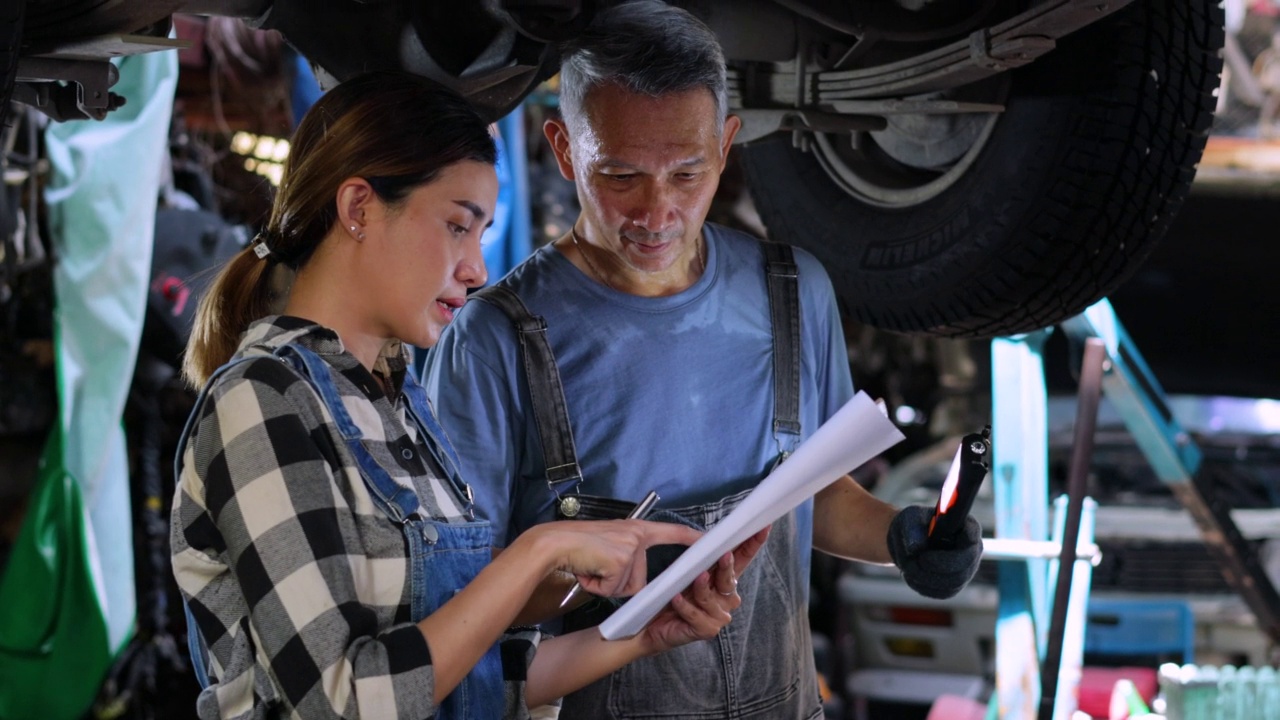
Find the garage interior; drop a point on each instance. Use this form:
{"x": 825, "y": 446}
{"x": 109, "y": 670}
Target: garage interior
{"x": 1143, "y": 432}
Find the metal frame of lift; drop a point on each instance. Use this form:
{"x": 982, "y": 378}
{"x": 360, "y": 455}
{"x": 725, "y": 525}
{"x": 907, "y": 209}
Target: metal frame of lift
{"x": 1039, "y": 644}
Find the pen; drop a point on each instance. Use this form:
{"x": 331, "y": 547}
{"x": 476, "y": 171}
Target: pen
{"x": 638, "y": 512}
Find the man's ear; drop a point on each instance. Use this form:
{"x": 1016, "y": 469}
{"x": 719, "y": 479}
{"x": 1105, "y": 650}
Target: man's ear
{"x": 558, "y": 136}
{"x": 355, "y": 195}
{"x": 732, "y": 125}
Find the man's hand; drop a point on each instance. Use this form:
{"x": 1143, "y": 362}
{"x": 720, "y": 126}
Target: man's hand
{"x": 544, "y": 604}
{"x": 704, "y": 607}
{"x": 933, "y": 572}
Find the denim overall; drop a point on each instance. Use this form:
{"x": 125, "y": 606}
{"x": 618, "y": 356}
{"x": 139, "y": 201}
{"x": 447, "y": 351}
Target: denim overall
{"x": 444, "y": 557}
{"x": 757, "y": 664}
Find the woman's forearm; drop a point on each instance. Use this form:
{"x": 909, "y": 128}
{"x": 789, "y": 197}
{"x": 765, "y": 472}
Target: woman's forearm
{"x": 464, "y": 628}
{"x": 608, "y": 557}
{"x": 569, "y": 662}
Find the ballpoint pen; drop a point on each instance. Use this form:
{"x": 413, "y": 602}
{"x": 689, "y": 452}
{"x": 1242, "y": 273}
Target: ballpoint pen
{"x": 638, "y": 512}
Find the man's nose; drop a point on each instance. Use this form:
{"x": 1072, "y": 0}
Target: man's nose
{"x": 656, "y": 208}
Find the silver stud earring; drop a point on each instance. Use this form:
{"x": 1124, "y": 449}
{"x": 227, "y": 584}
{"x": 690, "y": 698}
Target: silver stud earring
{"x": 353, "y": 228}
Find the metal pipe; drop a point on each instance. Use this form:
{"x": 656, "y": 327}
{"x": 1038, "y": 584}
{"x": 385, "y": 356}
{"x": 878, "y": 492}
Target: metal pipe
{"x": 1088, "y": 398}
{"x": 1015, "y": 549}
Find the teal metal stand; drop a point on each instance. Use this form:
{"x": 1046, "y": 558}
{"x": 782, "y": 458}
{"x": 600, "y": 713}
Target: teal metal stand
{"x": 1137, "y": 397}
{"x": 1021, "y": 448}
{"x": 1020, "y": 455}
{"x": 1025, "y": 644}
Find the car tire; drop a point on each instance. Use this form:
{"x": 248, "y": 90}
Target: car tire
{"x": 10, "y": 40}
{"x": 1075, "y": 183}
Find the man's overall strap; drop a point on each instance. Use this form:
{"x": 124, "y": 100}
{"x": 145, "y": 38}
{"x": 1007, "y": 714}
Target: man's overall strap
{"x": 546, "y": 392}
{"x": 784, "y": 311}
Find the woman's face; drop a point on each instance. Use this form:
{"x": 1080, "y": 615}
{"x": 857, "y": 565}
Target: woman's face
{"x": 431, "y": 251}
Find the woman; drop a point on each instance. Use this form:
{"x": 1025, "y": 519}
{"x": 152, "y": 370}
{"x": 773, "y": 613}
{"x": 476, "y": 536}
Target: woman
{"x": 322, "y": 538}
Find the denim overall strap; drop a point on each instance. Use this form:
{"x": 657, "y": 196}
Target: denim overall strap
{"x": 195, "y": 641}
{"x": 784, "y": 311}
{"x": 444, "y": 557}
{"x": 546, "y": 392}
{"x": 442, "y": 450}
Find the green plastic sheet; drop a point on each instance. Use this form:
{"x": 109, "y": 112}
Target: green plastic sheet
{"x": 53, "y": 637}
{"x": 67, "y": 598}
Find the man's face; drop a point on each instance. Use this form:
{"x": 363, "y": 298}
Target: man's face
{"x": 646, "y": 169}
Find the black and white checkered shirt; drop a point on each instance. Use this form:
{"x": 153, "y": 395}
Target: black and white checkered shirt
{"x": 298, "y": 583}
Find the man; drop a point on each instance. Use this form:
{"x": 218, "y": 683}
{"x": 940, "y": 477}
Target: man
{"x": 665, "y": 374}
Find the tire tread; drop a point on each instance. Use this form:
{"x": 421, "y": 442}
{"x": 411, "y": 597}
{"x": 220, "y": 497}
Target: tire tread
{"x": 1124, "y": 167}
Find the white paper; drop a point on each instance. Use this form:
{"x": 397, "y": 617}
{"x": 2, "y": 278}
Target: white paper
{"x": 856, "y": 433}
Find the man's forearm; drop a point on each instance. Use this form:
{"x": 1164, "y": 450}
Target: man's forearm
{"x": 544, "y": 604}
{"x": 851, "y": 523}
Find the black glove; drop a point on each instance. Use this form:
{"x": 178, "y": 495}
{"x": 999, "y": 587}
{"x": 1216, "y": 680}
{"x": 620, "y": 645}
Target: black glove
{"x": 933, "y": 572}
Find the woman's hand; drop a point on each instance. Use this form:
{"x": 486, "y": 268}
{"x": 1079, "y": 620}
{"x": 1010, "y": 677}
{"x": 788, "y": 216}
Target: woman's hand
{"x": 606, "y": 556}
{"x": 568, "y": 662}
{"x": 704, "y": 607}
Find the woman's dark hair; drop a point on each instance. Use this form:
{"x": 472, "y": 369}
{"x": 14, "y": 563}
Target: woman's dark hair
{"x": 396, "y": 130}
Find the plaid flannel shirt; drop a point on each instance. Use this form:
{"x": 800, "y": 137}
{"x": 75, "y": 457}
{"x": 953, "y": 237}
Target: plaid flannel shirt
{"x": 298, "y": 583}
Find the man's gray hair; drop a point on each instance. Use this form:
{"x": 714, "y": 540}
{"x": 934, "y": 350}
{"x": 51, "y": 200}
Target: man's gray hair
{"x": 646, "y": 47}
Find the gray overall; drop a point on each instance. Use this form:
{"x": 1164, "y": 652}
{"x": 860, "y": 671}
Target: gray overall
{"x": 761, "y": 665}
{"x": 443, "y": 557}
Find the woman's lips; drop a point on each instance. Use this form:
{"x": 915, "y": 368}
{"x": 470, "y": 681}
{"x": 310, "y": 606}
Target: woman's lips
{"x": 448, "y": 306}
